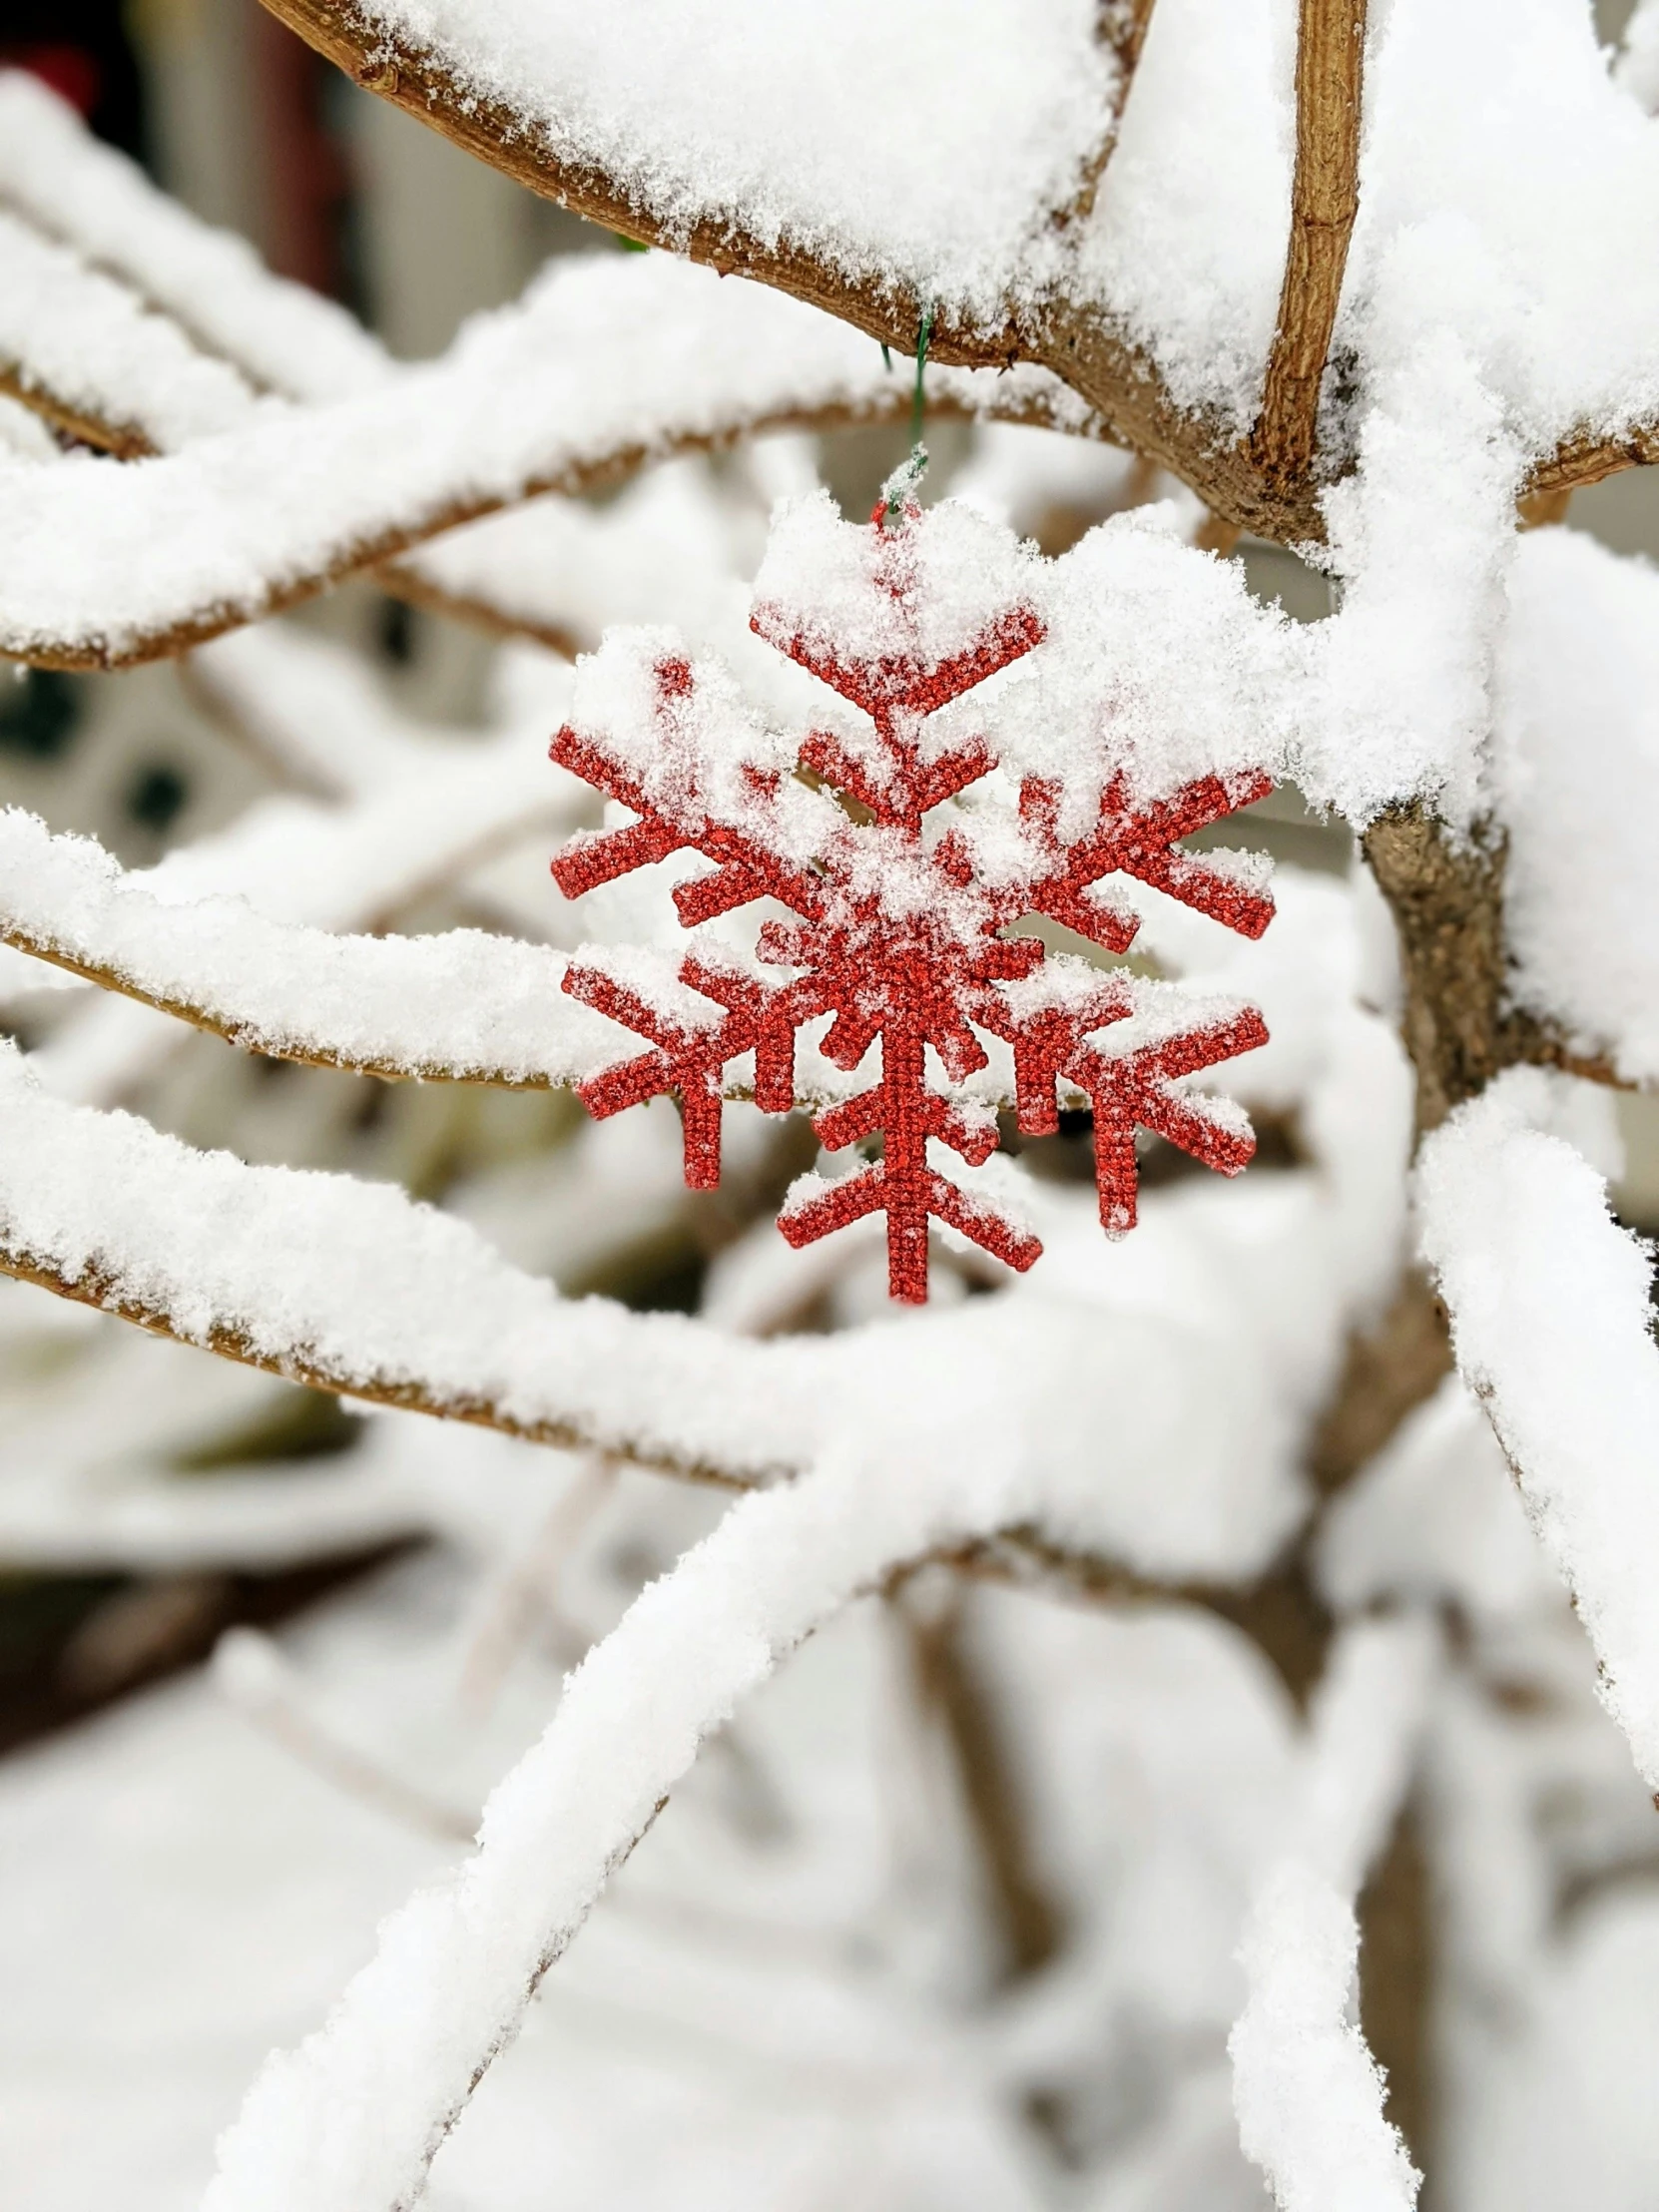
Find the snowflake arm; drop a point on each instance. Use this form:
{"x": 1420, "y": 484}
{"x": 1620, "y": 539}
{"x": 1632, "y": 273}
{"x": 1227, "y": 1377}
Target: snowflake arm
{"x": 1133, "y": 1087}
{"x": 1141, "y": 840}
{"x": 696, "y": 1036}
{"x": 674, "y": 807}
{"x": 902, "y": 1184}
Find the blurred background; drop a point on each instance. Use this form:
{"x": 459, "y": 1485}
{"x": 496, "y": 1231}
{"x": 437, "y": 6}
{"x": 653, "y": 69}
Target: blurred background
{"x": 232, "y": 115}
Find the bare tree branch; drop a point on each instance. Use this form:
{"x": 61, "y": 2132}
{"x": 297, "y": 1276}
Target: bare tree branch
{"x": 952, "y": 1682}
{"x": 124, "y": 439}
{"x": 1460, "y": 1026}
{"x": 1325, "y": 198}
{"x": 1120, "y": 27}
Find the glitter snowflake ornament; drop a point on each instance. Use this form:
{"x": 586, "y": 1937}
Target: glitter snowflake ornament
{"x": 896, "y": 860}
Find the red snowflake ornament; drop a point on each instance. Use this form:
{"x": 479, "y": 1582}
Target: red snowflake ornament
{"x": 894, "y": 932}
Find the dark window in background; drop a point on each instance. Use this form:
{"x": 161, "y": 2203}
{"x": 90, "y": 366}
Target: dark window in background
{"x": 39, "y": 708}
{"x": 82, "y": 50}
{"x": 157, "y": 796}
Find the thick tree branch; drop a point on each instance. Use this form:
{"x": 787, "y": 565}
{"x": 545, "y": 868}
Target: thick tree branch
{"x": 416, "y": 81}
{"x": 1460, "y": 1025}
{"x": 1325, "y": 198}
{"x": 1074, "y": 339}
{"x": 1076, "y": 343}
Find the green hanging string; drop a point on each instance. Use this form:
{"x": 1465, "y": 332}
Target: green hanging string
{"x": 902, "y": 483}
{"x": 918, "y": 403}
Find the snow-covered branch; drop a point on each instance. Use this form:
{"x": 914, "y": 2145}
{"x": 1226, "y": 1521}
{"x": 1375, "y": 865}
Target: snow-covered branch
{"x": 354, "y": 2116}
{"x": 1551, "y": 1324}
{"x": 352, "y": 1288}
{"x": 964, "y": 214}
{"x": 558, "y": 394}
{"x": 1306, "y": 2090}
{"x": 83, "y": 350}
{"x": 101, "y": 207}
{"x": 460, "y": 1007}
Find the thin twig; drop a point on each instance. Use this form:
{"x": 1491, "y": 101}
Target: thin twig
{"x": 1120, "y": 27}
{"x": 256, "y": 1676}
{"x": 528, "y": 1591}
{"x": 951, "y": 1682}
{"x": 1325, "y": 198}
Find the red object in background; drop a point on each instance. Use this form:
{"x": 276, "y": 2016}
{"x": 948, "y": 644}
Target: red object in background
{"x": 71, "y": 70}
{"x": 81, "y": 48}
{"x": 307, "y": 181}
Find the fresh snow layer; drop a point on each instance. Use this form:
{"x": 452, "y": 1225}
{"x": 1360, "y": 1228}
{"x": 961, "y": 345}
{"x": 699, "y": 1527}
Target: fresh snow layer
{"x": 360, "y": 1288}
{"x": 1308, "y": 2093}
{"x": 884, "y": 143}
{"x": 1576, "y": 781}
{"x": 304, "y": 865}
{"x": 749, "y": 2022}
{"x": 1066, "y": 1403}
{"x": 1187, "y": 244}
{"x": 1504, "y": 223}
{"x": 1553, "y": 1328}
{"x": 1422, "y": 536}
{"x": 1470, "y": 225}
{"x": 353, "y": 2116}
{"x": 1506, "y": 220}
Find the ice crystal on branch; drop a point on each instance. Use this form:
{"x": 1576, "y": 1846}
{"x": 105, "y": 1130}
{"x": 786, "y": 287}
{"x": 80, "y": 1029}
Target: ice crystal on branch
{"x": 896, "y": 929}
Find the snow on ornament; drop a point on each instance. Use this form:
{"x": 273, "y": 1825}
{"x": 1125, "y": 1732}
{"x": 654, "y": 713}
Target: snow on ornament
{"x": 898, "y": 898}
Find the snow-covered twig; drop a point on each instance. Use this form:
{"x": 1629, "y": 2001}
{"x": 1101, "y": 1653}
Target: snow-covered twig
{"x": 460, "y": 1007}
{"x": 93, "y": 201}
{"x": 1308, "y": 2092}
{"x": 1551, "y": 1324}
{"x": 352, "y": 2119}
{"x": 88, "y": 354}
{"x": 350, "y": 1287}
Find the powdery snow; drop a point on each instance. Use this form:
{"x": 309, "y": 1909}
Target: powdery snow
{"x": 460, "y": 1006}
{"x": 1553, "y": 1328}
{"x": 880, "y": 141}
{"x": 97, "y": 559}
{"x": 78, "y": 337}
{"x": 1575, "y": 775}
{"x": 1308, "y": 2093}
